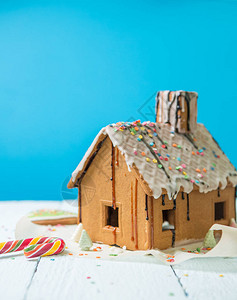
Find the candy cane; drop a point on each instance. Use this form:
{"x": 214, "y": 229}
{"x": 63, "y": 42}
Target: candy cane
{"x": 34, "y": 247}
{"x": 18, "y": 245}
{"x": 49, "y": 247}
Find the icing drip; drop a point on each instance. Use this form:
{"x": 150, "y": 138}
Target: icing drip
{"x": 177, "y": 113}
{"x": 79, "y": 202}
{"x": 132, "y": 236}
{"x": 155, "y": 156}
{"x": 174, "y": 201}
{"x": 135, "y": 208}
{"x": 163, "y": 199}
{"x": 173, "y": 237}
{"x": 152, "y": 223}
{"x": 188, "y": 100}
{"x": 146, "y": 207}
{"x": 117, "y": 157}
{"x": 114, "y": 234}
{"x": 188, "y": 218}
{"x": 190, "y": 140}
{"x": 113, "y": 177}
{"x": 157, "y": 136}
{"x": 170, "y": 105}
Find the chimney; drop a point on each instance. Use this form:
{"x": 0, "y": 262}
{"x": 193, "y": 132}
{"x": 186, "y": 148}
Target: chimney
{"x": 177, "y": 108}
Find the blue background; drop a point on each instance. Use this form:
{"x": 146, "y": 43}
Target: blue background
{"x": 69, "y": 68}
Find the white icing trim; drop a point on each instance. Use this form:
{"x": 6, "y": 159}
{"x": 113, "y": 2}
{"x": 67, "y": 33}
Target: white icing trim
{"x": 155, "y": 177}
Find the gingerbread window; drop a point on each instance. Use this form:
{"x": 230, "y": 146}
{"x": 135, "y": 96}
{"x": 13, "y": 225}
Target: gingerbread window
{"x": 112, "y": 216}
{"x": 168, "y": 219}
{"x": 219, "y": 211}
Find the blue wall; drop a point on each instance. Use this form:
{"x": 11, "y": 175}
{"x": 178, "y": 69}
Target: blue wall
{"x": 69, "y": 68}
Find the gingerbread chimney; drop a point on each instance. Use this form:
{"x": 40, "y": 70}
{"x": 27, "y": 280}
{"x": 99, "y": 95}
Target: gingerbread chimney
{"x": 177, "y": 108}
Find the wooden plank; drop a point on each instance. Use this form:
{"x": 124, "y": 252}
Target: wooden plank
{"x": 209, "y": 278}
{"x": 16, "y": 276}
{"x": 68, "y": 277}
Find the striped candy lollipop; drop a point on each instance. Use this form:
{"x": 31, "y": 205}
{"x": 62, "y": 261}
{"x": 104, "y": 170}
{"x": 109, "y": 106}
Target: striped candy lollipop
{"x": 50, "y": 246}
{"x": 18, "y": 245}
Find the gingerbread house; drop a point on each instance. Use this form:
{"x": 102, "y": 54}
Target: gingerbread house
{"x": 155, "y": 184}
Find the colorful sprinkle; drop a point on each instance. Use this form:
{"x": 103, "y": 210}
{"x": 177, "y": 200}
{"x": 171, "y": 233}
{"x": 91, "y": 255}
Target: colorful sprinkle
{"x": 154, "y": 161}
{"x": 143, "y": 153}
{"x": 160, "y": 166}
{"x": 147, "y": 159}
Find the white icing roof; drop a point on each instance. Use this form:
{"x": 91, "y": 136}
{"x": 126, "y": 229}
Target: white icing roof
{"x": 169, "y": 160}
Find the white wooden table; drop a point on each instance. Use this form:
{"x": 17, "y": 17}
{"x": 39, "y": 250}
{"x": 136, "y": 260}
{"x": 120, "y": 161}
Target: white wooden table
{"x": 68, "y": 277}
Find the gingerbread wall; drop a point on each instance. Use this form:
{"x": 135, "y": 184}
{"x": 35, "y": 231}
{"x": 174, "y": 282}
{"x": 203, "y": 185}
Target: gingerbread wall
{"x": 201, "y": 215}
{"x": 138, "y": 228}
{"x": 96, "y": 194}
